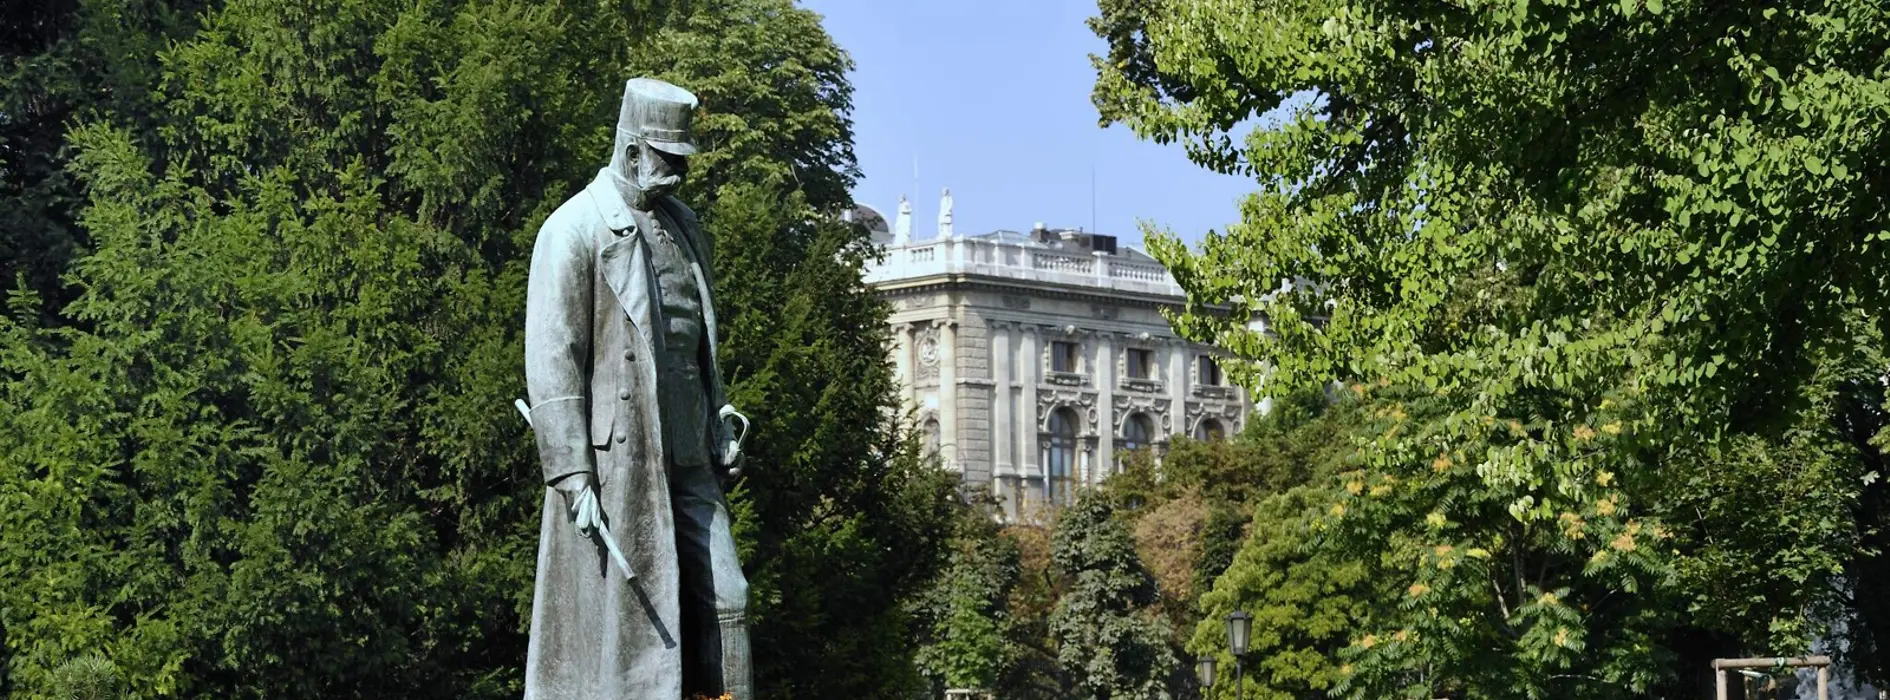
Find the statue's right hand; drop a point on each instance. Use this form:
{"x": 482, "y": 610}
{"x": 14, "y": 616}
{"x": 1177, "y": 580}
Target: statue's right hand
{"x": 580, "y": 500}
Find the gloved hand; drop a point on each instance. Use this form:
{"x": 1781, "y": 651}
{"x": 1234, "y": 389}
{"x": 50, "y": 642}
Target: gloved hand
{"x": 730, "y": 441}
{"x": 580, "y": 501}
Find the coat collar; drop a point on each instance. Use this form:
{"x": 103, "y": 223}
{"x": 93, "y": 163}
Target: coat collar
{"x": 609, "y": 201}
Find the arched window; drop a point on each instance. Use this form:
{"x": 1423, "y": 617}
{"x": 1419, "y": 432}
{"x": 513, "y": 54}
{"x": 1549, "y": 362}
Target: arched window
{"x": 932, "y": 437}
{"x": 1137, "y": 432}
{"x": 1209, "y": 430}
{"x": 1061, "y": 460}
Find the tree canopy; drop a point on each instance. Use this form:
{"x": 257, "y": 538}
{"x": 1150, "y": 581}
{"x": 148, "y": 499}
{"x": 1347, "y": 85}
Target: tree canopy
{"x": 259, "y": 442}
{"x": 1611, "y": 272}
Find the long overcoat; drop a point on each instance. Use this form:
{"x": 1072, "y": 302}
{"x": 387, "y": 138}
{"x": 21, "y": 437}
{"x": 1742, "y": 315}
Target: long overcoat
{"x": 591, "y": 338}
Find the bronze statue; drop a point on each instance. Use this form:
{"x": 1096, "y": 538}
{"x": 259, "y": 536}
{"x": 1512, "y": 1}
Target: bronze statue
{"x": 639, "y": 593}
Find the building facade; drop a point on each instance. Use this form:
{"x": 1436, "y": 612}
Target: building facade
{"x": 1034, "y": 362}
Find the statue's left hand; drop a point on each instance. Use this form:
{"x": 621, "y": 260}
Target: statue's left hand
{"x": 728, "y": 440}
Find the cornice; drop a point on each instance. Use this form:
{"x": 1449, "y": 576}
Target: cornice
{"x": 1047, "y": 290}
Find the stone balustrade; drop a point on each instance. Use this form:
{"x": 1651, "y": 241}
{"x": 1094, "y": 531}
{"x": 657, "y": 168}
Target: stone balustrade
{"x": 1010, "y": 260}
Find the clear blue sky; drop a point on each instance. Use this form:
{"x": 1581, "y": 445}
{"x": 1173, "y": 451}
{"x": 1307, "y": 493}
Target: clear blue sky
{"x": 991, "y": 97}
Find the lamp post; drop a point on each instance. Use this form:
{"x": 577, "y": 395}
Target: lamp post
{"x": 1204, "y": 670}
{"x": 1239, "y": 624}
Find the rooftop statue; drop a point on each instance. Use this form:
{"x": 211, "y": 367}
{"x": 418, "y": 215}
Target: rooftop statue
{"x": 945, "y": 214}
{"x": 902, "y": 226}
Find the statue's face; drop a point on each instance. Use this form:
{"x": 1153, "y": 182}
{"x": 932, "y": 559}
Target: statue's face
{"x": 659, "y": 172}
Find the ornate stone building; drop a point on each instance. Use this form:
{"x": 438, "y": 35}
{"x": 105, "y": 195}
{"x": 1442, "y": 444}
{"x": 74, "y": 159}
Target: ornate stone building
{"x": 1035, "y": 361}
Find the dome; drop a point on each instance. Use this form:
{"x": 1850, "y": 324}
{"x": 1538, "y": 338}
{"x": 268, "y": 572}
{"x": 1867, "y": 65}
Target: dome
{"x": 875, "y": 222}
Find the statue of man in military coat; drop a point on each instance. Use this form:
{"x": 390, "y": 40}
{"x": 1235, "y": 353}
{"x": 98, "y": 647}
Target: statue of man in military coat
{"x": 639, "y": 593}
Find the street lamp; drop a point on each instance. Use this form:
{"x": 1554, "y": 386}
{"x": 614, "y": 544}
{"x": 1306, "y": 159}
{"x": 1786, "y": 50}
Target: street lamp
{"x": 1204, "y": 670}
{"x": 1239, "y": 625}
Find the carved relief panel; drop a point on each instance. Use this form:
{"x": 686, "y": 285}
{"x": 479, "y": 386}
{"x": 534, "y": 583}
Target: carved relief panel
{"x": 926, "y": 353}
{"x": 1155, "y": 408}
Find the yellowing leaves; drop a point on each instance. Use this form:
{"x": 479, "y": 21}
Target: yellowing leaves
{"x": 1445, "y": 555}
{"x": 1573, "y": 526}
{"x": 1606, "y": 506}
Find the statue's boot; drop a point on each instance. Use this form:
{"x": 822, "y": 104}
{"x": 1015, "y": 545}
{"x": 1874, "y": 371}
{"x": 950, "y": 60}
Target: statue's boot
{"x": 738, "y": 671}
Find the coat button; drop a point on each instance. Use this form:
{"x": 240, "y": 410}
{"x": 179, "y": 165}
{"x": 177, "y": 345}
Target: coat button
{"x": 622, "y": 438}
{"x": 625, "y": 394}
{"x": 630, "y": 355}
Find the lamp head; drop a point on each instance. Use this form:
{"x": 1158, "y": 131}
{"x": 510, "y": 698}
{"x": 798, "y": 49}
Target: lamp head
{"x": 1239, "y": 626}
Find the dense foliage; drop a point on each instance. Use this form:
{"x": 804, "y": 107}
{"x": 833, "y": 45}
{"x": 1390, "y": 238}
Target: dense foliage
{"x": 1614, "y": 276}
{"x": 267, "y": 449}
{"x": 1108, "y": 638}
{"x": 1229, "y": 525}
{"x": 970, "y": 634}
{"x": 62, "y": 61}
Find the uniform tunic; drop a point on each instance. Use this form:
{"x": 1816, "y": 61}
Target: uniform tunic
{"x": 680, "y": 392}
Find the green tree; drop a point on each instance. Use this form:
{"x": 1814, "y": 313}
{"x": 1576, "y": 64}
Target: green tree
{"x": 1574, "y": 251}
{"x": 1305, "y": 601}
{"x": 1110, "y": 643}
{"x": 1190, "y": 512}
{"x": 267, "y": 450}
{"x": 843, "y": 517}
{"x": 63, "y": 61}
{"x": 969, "y": 630}
{"x": 1034, "y": 673}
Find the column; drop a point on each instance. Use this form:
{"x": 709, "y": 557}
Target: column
{"x": 902, "y": 363}
{"x": 948, "y": 393}
{"x": 1104, "y": 375}
{"x": 1002, "y": 427}
{"x": 1029, "y": 374}
{"x": 1179, "y": 357}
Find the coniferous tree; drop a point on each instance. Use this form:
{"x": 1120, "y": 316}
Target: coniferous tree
{"x": 1110, "y": 643}
{"x": 268, "y": 450}
{"x": 62, "y": 62}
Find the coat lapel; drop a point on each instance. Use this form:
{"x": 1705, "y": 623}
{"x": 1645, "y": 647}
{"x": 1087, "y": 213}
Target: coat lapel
{"x": 624, "y": 260}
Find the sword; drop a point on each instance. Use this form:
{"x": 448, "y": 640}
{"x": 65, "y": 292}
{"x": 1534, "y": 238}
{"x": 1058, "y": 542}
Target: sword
{"x": 616, "y": 554}
{"x": 610, "y": 543}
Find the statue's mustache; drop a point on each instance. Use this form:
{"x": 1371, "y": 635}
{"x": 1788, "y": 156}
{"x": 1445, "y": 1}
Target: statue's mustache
{"x": 650, "y": 186}
{"x": 664, "y": 182}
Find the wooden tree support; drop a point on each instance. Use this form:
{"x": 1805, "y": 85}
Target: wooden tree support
{"x": 1820, "y": 662}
